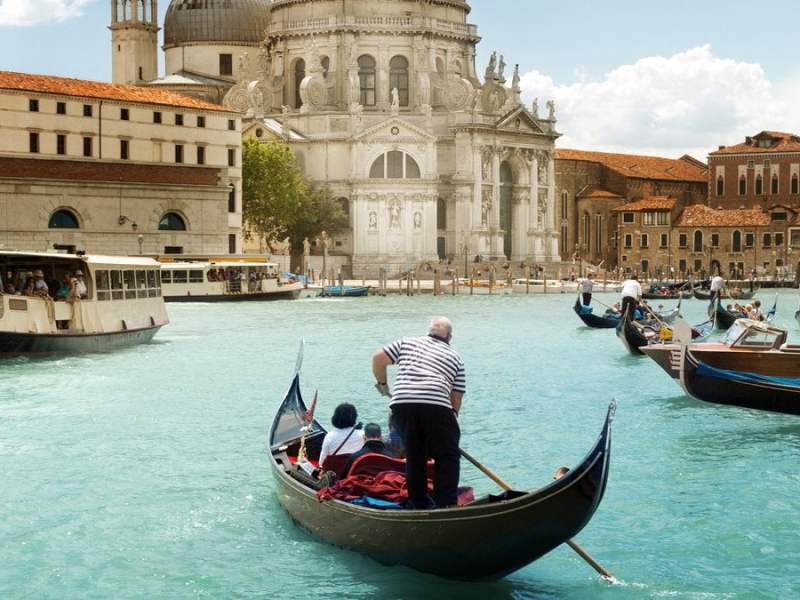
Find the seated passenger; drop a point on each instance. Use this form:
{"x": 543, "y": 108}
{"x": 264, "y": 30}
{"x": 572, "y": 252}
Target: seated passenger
{"x": 393, "y": 441}
{"x": 10, "y": 289}
{"x": 345, "y": 437}
{"x": 40, "y": 286}
{"x": 29, "y": 289}
{"x": 756, "y": 313}
{"x": 373, "y": 444}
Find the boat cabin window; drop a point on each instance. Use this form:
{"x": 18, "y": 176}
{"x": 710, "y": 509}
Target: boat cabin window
{"x": 18, "y": 275}
{"x": 195, "y": 276}
{"x": 113, "y": 284}
{"x": 166, "y": 276}
{"x": 179, "y": 277}
{"x": 756, "y": 338}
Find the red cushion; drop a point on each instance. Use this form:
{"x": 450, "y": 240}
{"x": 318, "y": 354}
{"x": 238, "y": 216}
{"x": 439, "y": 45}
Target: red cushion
{"x": 374, "y": 463}
{"x": 336, "y": 463}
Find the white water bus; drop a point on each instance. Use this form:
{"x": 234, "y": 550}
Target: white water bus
{"x": 120, "y": 305}
{"x": 225, "y": 281}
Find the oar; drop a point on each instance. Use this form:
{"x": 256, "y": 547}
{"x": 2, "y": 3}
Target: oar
{"x": 496, "y": 478}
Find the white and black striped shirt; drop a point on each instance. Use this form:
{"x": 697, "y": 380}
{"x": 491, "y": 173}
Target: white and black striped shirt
{"x": 429, "y": 369}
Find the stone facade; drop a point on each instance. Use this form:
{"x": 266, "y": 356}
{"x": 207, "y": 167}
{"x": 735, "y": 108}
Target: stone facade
{"x": 382, "y": 100}
{"x": 116, "y": 169}
{"x": 590, "y": 186}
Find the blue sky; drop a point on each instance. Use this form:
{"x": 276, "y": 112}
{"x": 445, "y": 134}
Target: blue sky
{"x": 650, "y": 76}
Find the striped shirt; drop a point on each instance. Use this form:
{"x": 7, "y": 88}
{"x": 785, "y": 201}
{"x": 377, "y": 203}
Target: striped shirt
{"x": 429, "y": 370}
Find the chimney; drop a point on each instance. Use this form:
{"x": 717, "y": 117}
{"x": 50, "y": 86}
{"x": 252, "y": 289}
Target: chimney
{"x": 721, "y": 148}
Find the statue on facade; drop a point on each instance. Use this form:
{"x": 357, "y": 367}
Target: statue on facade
{"x": 306, "y": 255}
{"x": 264, "y": 62}
{"x": 373, "y": 220}
{"x": 417, "y": 220}
{"x": 515, "y": 79}
{"x": 535, "y": 108}
{"x": 490, "y": 74}
{"x": 395, "y": 108}
{"x": 501, "y": 69}
{"x": 244, "y": 66}
{"x": 394, "y": 215}
{"x": 486, "y": 206}
{"x": 423, "y": 89}
{"x": 551, "y": 108}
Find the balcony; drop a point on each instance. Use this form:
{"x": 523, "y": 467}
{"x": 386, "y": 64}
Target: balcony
{"x": 374, "y": 23}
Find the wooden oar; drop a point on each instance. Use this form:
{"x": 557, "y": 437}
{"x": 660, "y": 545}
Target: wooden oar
{"x": 496, "y": 478}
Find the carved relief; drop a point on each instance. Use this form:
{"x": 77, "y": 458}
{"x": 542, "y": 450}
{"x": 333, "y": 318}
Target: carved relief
{"x": 237, "y": 98}
{"x": 458, "y": 93}
{"x": 494, "y": 97}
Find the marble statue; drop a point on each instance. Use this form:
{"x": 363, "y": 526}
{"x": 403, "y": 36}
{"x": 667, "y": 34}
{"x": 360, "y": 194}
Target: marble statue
{"x": 501, "y": 69}
{"x": 551, "y": 108}
{"x": 515, "y": 79}
{"x": 492, "y": 66}
{"x": 244, "y": 66}
{"x": 394, "y": 215}
{"x": 535, "y": 108}
{"x": 417, "y": 220}
{"x": 395, "y": 101}
{"x": 373, "y": 220}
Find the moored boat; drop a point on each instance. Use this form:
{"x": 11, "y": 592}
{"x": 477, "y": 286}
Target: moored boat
{"x": 120, "y": 305}
{"x": 225, "y": 281}
{"x": 609, "y": 320}
{"x": 487, "y": 538}
{"x": 754, "y": 346}
{"x": 739, "y": 387}
{"x": 732, "y": 295}
{"x": 477, "y": 287}
{"x": 538, "y": 286}
{"x": 345, "y": 291}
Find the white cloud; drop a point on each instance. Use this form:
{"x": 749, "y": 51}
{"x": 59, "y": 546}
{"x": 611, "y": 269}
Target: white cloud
{"x": 37, "y": 12}
{"x": 690, "y": 102}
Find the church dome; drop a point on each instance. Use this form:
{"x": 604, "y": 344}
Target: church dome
{"x": 221, "y": 21}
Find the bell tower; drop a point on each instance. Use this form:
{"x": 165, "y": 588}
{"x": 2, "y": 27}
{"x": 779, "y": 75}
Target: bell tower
{"x": 134, "y": 41}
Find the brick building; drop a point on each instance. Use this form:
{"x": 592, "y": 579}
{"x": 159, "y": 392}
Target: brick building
{"x": 660, "y": 237}
{"x": 116, "y": 169}
{"x": 591, "y": 186}
{"x": 761, "y": 172}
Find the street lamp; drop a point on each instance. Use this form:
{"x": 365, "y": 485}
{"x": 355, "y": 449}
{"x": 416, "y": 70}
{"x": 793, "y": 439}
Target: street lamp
{"x": 140, "y": 239}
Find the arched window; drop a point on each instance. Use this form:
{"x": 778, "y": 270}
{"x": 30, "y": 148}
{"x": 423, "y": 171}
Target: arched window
{"x": 795, "y": 184}
{"x": 366, "y": 78}
{"x": 736, "y": 241}
{"x": 759, "y": 185}
{"x": 344, "y": 204}
{"x": 63, "y": 219}
{"x": 774, "y": 187}
{"x": 698, "y": 241}
{"x": 720, "y": 186}
{"x": 398, "y": 78}
{"x": 394, "y": 165}
{"x": 172, "y": 221}
{"x": 299, "y": 75}
{"x": 742, "y": 185}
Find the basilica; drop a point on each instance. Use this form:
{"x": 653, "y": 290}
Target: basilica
{"x": 380, "y": 99}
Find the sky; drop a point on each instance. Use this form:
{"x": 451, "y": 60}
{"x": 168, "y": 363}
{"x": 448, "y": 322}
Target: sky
{"x": 653, "y": 77}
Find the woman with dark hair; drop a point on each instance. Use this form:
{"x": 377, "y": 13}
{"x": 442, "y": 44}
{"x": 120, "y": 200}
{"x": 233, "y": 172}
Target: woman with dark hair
{"x": 344, "y": 438}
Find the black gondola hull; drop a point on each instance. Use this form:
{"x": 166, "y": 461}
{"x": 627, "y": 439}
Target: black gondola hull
{"x": 292, "y": 294}
{"x": 760, "y": 396}
{"x": 630, "y": 336}
{"x": 470, "y": 543}
{"x": 594, "y": 321}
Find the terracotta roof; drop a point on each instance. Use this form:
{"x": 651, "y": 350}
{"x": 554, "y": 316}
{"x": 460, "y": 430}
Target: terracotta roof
{"x": 642, "y": 167}
{"x": 45, "y": 84}
{"x": 699, "y": 215}
{"x": 648, "y": 203}
{"x": 596, "y": 191}
{"x": 780, "y": 142}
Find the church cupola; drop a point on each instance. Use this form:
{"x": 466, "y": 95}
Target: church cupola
{"x": 134, "y": 41}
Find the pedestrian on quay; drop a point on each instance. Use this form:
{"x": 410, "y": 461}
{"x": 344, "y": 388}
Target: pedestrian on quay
{"x": 631, "y": 295}
{"x": 427, "y": 398}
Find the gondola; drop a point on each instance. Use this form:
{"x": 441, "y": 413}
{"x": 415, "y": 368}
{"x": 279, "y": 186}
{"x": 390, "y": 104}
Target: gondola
{"x": 742, "y": 295}
{"x": 738, "y": 388}
{"x": 635, "y": 334}
{"x": 669, "y": 295}
{"x": 724, "y": 319}
{"x": 607, "y": 321}
{"x": 486, "y": 539}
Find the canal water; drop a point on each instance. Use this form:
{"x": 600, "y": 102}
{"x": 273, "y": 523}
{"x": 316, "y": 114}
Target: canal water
{"x": 143, "y": 474}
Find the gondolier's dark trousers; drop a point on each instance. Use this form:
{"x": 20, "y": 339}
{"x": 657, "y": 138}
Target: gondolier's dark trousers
{"x": 430, "y": 431}
{"x": 587, "y": 298}
{"x": 631, "y": 302}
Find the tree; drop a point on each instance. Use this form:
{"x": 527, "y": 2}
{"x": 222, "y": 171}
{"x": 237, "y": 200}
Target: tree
{"x": 273, "y": 189}
{"x": 280, "y": 203}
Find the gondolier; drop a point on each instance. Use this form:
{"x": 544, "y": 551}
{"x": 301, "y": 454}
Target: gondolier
{"x": 586, "y": 289}
{"x": 631, "y": 294}
{"x": 425, "y": 404}
{"x": 717, "y": 285}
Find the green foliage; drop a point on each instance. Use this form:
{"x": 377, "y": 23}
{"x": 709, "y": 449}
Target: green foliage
{"x": 272, "y": 189}
{"x": 279, "y": 203}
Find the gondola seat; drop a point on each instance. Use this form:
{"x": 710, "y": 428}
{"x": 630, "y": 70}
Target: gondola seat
{"x": 336, "y": 463}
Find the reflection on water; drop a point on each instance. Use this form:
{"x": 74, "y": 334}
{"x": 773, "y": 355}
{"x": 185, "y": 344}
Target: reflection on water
{"x": 142, "y": 473}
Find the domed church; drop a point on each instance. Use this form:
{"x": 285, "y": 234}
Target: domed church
{"x": 380, "y": 99}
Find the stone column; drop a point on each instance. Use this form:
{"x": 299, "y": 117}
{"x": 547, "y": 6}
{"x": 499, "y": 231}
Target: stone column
{"x": 534, "y": 213}
{"x": 477, "y": 170}
{"x": 493, "y": 220}
{"x": 114, "y": 11}
{"x": 551, "y": 193}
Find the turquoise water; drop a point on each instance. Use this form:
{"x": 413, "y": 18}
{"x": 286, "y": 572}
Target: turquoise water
{"x": 143, "y": 474}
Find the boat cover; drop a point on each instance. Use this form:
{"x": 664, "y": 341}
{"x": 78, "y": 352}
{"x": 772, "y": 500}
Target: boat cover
{"x": 705, "y": 370}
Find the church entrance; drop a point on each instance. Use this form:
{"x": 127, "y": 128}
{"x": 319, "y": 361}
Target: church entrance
{"x": 506, "y": 194}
